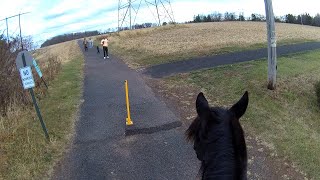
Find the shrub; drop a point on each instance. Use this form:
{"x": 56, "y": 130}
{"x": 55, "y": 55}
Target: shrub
{"x": 11, "y": 91}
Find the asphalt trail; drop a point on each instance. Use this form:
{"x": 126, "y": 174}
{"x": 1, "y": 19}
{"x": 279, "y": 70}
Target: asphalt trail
{"x": 101, "y": 149}
{"x": 169, "y": 69}
{"x": 155, "y": 147}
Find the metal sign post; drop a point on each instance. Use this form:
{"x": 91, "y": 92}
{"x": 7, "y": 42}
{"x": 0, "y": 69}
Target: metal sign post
{"x": 28, "y": 83}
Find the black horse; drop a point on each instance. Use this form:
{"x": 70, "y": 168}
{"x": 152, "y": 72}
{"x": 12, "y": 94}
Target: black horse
{"x": 219, "y": 140}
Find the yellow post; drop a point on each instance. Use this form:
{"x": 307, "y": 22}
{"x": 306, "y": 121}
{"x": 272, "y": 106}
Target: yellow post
{"x": 128, "y": 119}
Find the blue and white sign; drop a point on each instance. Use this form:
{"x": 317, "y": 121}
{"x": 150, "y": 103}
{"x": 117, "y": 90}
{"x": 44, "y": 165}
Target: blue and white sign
{"x": 37, "y": 68}
{"x": 26, "y": 77}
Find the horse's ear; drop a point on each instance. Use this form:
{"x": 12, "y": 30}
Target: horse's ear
{"x": 198, "y": 126}
{"x": 241, "y": 106}
{"x": 202, "y": 106}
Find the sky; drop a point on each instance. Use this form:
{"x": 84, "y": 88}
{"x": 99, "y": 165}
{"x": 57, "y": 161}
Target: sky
{"x": 48, "y": 18}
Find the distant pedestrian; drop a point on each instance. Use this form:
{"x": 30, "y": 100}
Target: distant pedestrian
{"x": 104, "y": 43}
{"x": 85, "y": 44}
{"x": 90, "y": 43}
{"x": 98, "y": 50}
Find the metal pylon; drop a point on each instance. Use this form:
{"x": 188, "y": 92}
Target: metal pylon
{"x": 128, "y": 11}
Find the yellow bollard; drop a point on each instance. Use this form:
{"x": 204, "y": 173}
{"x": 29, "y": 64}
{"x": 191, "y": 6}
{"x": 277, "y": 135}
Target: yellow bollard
{"x": 128, "y": 119}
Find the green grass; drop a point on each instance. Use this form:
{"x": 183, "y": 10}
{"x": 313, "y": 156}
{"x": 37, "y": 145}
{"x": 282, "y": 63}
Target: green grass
{"x": 287, "y": 118}
{"x": 26, "y": 153}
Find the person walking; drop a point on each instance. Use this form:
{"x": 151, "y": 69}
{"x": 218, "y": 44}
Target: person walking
{"x": 85, "y": 44}
{"x": 104, "y": 43}
{"x": 98, "y": 50}
{"x": 91, "y": 43}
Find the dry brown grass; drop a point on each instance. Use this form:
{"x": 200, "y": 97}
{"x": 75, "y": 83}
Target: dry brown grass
{"x": 64, "y": 51}
{"x": 169, "y": 43}
{"x": 11, "y": 92}
{"x": 24, "y": 152}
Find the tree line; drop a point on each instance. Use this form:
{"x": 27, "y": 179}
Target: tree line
{"x": 79, "y": 35}
{"x": 68, "y": 37}
{"x": 305, "y": 19}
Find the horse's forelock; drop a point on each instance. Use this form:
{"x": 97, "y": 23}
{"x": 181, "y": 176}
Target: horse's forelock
{"x": 201, "y": 125}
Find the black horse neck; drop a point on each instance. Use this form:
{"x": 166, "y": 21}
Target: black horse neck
{"x": 220, "y": 161}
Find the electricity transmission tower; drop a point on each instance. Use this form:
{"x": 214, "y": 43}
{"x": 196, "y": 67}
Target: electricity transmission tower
{"x": 128, "y": 11}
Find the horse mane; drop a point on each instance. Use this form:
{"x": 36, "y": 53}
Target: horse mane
{"x": 241, "y": 150}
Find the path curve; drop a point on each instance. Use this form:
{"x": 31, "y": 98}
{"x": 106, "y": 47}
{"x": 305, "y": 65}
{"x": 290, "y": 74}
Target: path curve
{"x": 169, "y": 69}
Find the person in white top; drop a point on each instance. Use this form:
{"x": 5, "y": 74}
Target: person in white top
{"x": 104, "y": 43}
{"x": 90, "y": 43}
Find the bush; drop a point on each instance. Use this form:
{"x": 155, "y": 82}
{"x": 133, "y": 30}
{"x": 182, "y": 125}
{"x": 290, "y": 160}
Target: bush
{"x": 317, "y": 89}
{"x": 50, "y": 67}
{"x": 11, "y": 91}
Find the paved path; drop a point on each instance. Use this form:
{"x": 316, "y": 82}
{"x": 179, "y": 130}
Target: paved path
{"x": 163, "y": 70}
{"x": 154, "y": 150}
{"x": 102, "y": 151}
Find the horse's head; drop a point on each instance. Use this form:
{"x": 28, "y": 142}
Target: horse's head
{"x": 218, "y": 136}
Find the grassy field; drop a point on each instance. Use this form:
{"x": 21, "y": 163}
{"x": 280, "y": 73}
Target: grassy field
{"x": 24, "y": 152}
{"x": 146, "y": 47}
{"x": 287, "y": 119}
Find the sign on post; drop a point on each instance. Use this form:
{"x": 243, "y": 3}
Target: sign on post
{"x": 28, "y": 59}
{"x": 34, "y": 62}
{"x": 35, "y": 65}
{"x": 26, "y": 77}
{"x": 24, "y": 61}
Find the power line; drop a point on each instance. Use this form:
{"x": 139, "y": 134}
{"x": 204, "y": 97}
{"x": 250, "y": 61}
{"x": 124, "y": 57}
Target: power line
{"x": 12, "y": 34}
{"x": 14, "y": 16}
{"x": 2, "y": 24}
{"x": 6, "y": 19}
{"x": 88, "y": 28}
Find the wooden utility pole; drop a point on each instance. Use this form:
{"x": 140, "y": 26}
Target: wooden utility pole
{"x": 20, "y": 33}
{"x": 7, "y": 31}
{"x": 272, "y": 46}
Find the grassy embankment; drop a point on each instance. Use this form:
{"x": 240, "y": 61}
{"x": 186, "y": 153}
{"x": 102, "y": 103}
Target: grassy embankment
{"x": 25, "y": 153}
{"x": 286, "y": 119}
